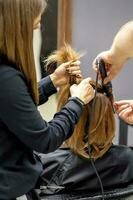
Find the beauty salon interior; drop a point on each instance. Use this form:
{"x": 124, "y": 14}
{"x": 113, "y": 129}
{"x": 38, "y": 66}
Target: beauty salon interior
{"x": 88, "y": 27}
{"x": 95, "y": 161}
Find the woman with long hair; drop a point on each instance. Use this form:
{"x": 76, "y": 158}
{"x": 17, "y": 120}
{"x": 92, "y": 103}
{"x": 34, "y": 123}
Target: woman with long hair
{"x": 22, "y": 129}
{"x": 90, "y": 145}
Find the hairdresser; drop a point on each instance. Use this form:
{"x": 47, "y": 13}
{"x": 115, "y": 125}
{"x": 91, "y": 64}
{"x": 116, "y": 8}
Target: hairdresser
{"x": 22, "y": 129}
{"x": 115, "y": 58}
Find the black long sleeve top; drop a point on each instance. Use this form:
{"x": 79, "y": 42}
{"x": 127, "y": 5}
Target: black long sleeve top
{"x": 23, "y": 130}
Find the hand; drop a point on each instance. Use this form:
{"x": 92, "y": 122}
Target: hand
{"x": 83, "y": 91}
{"x": 62, "y": 74}
{"x": 113, "y": 66}
{"x": 124, "y": 109}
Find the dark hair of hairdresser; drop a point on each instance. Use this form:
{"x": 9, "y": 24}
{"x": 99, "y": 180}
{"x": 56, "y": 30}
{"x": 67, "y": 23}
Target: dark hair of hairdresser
{"x": 17, "y": 45}
{"x": 102, "y": 129}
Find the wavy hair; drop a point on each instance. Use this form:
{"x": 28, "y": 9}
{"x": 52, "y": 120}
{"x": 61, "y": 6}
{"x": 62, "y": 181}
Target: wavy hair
{"x": 101, "y": 130}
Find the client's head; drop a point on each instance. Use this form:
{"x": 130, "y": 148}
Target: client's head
{"x": 96, "y": 125}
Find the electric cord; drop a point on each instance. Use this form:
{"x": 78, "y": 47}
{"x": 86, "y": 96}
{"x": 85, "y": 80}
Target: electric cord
{"x": 88, "y": 139}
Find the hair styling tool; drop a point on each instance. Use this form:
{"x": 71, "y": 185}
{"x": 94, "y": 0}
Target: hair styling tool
{"x": 108, "y": 86}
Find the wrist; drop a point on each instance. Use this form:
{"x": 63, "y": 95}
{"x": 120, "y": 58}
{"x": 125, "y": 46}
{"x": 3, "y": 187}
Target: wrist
{"x": 118, "y": 56}
{"x": 54, "y": 79}
{"x": 74, "y": 98}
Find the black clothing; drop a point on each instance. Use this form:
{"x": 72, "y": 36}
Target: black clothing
{"x": 64, "y": 171}
{"x": 23, "y": 130}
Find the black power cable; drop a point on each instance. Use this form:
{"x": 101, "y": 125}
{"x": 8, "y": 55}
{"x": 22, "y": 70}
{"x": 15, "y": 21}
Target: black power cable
{"x": 88, "y": 128}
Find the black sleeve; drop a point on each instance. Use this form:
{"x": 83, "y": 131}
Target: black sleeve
{"x": 46, "y": 89}
{"x": 20, "y": 115}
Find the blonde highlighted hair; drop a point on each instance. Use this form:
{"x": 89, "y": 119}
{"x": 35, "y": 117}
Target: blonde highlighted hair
{"x": 101, "y": 131}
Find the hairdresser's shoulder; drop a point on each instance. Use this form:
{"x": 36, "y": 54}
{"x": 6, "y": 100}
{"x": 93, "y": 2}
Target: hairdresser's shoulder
{"x": 9, "y": 75}
{"x": 7, "y": 71}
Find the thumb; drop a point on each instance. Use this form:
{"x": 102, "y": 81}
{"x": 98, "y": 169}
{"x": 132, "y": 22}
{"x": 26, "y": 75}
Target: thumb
{"x": 108, "y": 78}
{"x": 74, "y": 86}
{"x": 88, "y": 79}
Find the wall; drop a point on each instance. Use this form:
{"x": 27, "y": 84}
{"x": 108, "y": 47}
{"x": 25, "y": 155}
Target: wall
{"x": 95, "y": 23}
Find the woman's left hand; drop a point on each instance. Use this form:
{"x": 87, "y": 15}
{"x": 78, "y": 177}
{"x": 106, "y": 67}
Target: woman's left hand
{"x": 124, "y": 109}
{"x": 62, "y": 74}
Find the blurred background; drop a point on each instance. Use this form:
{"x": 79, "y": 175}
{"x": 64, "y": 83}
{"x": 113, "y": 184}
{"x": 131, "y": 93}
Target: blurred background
{"x": 89, "y": 26}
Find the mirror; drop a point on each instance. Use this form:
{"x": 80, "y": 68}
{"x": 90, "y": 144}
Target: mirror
{"x": 56, "y": 28}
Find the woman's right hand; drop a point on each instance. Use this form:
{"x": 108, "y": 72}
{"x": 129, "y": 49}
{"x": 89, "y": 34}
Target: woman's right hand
{"x": 84, "y": 91}
{"x": 113, "y": 65}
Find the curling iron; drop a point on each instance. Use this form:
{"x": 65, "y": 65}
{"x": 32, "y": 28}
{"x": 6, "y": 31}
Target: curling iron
{"x": 108, "y": 86}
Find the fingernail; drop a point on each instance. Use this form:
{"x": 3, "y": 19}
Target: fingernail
{"x": 78, "y": 75}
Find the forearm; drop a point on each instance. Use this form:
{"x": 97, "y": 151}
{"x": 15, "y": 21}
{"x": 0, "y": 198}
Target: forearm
{"x": 27, "y": 124}
{"x": 54, "y": 80}
{"x": 46, "y": 88}
{"x": 122, "y": 47}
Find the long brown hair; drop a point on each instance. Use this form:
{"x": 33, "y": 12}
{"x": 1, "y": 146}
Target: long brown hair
{"x": 101, "y": 130}
{"x": 16, "y": 36}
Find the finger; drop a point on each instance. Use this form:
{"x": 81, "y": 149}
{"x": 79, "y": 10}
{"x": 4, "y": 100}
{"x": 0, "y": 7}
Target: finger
{"x": 88, "y": 79}
{"x": 73, "y": 68}
{"x": 115, "y": 106}
{"x": 94, "y": 66}
{"x": 125, "y": 113}
{"x": 105, "y": 55}
{"x": 67, "y": 64}
{"x": 122, "y": 102}
{"x": 75, "y": 63}
{"x": 78, "y": 80}
{"x": 74, "y": 86}
{"x": 88, "y": 88}
{"x": 91, "y": 92}
{"x": 108, "y": 78}
{"x": 111, "y": 73}
{"x": 71, "y": 64}
{"x": 75, "y": 72}
{"x": 121, "y": 108}
{"x": 79, "y": 76}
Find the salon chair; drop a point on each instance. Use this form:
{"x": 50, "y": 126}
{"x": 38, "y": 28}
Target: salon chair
{"x": 122, "y": 193}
